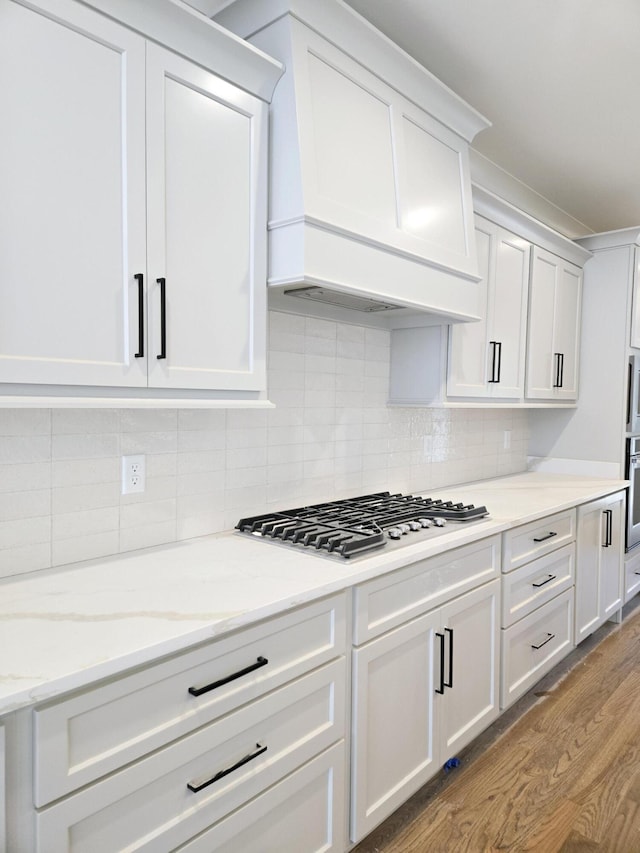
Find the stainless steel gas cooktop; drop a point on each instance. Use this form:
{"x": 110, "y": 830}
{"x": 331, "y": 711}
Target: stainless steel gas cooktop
{"x": 351, "y": 527}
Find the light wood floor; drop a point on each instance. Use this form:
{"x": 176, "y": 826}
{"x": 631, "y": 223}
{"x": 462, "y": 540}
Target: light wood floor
{"x": 557, "y": 773}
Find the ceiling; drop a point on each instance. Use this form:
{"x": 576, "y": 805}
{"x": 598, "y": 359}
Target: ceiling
{"x": 558, "y": 79}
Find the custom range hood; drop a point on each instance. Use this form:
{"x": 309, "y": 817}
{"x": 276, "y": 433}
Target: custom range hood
{"x": 370, "y": 209}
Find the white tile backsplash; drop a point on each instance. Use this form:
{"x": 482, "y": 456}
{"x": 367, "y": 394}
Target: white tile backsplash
{"x": 330, "y": 436}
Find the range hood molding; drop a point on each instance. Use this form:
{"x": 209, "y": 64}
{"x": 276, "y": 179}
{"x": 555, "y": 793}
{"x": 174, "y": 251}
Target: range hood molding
{"x": 370, "y": 185}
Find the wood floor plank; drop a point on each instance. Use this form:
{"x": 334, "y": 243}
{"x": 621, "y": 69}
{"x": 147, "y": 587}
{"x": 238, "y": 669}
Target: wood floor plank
{"x": 576, "y": 843}
{"x": 550, "y": 831}
{"x": 564, "y": 778}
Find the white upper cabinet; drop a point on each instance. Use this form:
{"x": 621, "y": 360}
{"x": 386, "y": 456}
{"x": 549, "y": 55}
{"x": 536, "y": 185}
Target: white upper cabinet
{"x": 370, "y": 194}
{"x": 486, "y": 359}
{"x": 72, "y": 215}
{"x": 554, "y": 327}
{"x": 133, "y": 230}
{"x": 205, "y": 139}
{"x": 528, "y": 336}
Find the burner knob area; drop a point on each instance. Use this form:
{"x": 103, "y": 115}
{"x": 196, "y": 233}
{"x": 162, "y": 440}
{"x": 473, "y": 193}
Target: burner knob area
{"x": 425, "y": 522}
{"x": 415, "y": 525}
{"x": 439, "y": 522}
{"x": 404, "y": 528}
{"x": 394, "y": 533}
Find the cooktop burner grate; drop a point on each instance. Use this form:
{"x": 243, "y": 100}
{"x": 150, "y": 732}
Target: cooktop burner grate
{"x": 355, "y": 525}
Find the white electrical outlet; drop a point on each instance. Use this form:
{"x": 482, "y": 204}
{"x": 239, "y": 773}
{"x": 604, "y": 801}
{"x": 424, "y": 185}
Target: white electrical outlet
{"x": 506, "y": 440}
{"x": 133, "y": 474}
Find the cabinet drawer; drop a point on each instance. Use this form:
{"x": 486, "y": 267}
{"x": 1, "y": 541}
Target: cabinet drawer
{"x": 148, "y": 806}
{"x": 532, "y": 540}
{"x": 388, "y": 601}
{"x": 93, "y": 733}
{"x": 631, "y": 575}
{"x": 532, "y": 646}
{"x": 535, "y": 583}
{"x": 304, "y": 812}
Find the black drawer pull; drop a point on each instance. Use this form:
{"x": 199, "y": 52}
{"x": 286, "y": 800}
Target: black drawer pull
{"x": 163, "y": 317}
{"x": 139, "y": 277}
{"x": 198, "y": 691}
{"x": 544, "y": 642}
{"x": 440, "y": 689}
{"x": 449, "y": 683}
{"x": 542, "y": 583}
{"x": 195, "y": 787}
{"x": 545, "y": 537}
{"x": 608, "y": 536}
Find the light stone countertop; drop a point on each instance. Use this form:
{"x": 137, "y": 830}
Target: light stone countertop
{"x": 63, "y": 629}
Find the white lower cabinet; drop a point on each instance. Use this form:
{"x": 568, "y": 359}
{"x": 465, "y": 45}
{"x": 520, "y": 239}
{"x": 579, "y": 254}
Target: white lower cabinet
{"x": 631, "y": 575}
{"x": 538, "y": 560}
{"x": 424, "y": 689}
{"x": 195, "y": 738}
{"x": 600, "y": 568}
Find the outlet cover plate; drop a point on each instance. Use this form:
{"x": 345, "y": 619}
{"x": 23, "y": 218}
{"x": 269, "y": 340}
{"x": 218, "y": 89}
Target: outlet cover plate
{"x": 133, "y": 474}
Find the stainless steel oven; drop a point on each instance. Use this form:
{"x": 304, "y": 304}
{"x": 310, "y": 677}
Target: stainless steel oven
{"x": 633, "y": 502}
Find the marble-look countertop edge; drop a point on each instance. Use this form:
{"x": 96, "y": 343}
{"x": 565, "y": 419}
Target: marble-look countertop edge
{"x": 326, "y": 577}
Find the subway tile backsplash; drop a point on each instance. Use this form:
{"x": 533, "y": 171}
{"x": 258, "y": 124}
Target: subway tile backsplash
{"x": 331, "y": 435}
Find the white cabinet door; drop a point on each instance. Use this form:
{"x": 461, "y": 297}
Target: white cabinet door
{"x": 206, "y": 201}
{"x": 393, "y": 746}
{"x": 469, "y": 342}
{"x": 612, "y": 557}
{"x": 486, "y": 359}
{"x": 635, "y": 310}
{"x": 72, "y": 210}
{"x": 554, "y": 327}
{"x": 599, "y": 563}
{"x": 508, "y": 312}
{"x": 472, "y": 633}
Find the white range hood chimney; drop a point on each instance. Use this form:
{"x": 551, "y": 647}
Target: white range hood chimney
{"x": 370, "y": 208}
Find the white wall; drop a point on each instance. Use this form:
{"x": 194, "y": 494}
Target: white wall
{"x": 330, "y": 435}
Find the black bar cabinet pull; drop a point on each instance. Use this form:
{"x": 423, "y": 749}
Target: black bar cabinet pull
{"x": 195, "y": 786}
{"x": 494, "y": 345}
{"x": 544, "y": 642}
{"x": 449, "y": 683}
{"x": 198, "y": 691}
{"x": 499, "y": 348}
{"x": 608, "y": 530}
{"x": 546, "y": 536}
{"x": 542, "y": 583}
{"x": 629, "y": 392}
{"x": 559, "y": 357}
{"x": 163, "y": 317}
{"x": 441, "y": 688}
{"x": 139, "y": 277}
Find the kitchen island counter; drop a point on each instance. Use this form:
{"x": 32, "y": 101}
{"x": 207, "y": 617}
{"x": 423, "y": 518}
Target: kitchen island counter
{"x": 63, "y": 629}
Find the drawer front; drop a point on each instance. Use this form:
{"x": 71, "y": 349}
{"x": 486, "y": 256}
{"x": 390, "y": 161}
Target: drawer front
{"x": 535, "y": 583}
{"x": 533, "y": 540}
{"x": 82, "y": 738}
{"x": 149, "y": 806}
{"x": 533, "y": 646}
{"x": 303, "y": 813}
{"x": 631, "y": 575}
{"x": 388, "y": 601}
